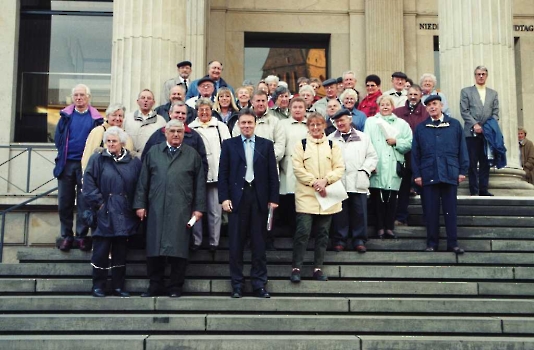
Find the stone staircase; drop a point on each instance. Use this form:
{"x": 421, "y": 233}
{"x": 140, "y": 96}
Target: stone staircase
{"x": 393, "y": 297}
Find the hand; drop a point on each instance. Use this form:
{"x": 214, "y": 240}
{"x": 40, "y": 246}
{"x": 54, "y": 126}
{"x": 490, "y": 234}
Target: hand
{"x": 322, "y": 193}
{"x": 419, "y": 181}
{"x": 141, "y": 214}
{"x": 227, "y": 206}
{"x": 391, "y": 141}
{"x": 477, "y": 129}
{"x": 198, "y": 215}
{"x": 461, "y": 178}
{"x": 272, "y": 205}
{"x": 319, "y": 185}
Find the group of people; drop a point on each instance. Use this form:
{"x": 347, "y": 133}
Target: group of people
{"x": 208, "y": 151}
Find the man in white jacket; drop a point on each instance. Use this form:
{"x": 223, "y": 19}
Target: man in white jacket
{"x": 360, "y": 161}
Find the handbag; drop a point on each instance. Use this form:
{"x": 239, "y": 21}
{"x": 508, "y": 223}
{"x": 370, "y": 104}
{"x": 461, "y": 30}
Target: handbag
{"x": 401, "y": 167}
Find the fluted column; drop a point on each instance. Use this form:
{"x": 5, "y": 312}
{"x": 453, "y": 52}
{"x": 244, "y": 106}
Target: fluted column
{"x": 385, "y": 38}
{"x": 479, "y": 32}
{"x": 148, "y": 40}
{"x": 196, "y": 35}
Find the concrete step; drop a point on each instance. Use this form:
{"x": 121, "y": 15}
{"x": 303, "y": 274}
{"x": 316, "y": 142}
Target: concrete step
{"x": 262, "y": 342}
{"x": 41, "y": 255}
{"x": 277, "y": 304}
{"x": 261, "y": 323}
{"x": 201, "y": 270}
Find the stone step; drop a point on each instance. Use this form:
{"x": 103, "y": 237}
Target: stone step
{"x": 280, "y": 287}
{"x": 261, "y": 323}
{"x": 200, "y": 270}
{"x": 486, "y": 210}
{"x": 261, "y": 342}
{"x": 277, "y": 304}
{"x": 27, "y": 255}
{"x": 482, "y": 220}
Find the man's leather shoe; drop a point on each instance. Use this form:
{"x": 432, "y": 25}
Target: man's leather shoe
{"x": 85, "y": 244}
{"x": 213, "y": 247}
{"x": 488, "y": 194}
{"x": 261, "y": 293}
{"x": 66, "y": 244}
{"x": 360, "y": 248}
{"x": 237, "y": 293}
{"x": 339, "y": 248}
{"x": 295, "y": 276}
{"x": 98, "y": 293}
{"x": 175, "y": 294}
{"x": 194, "y": 248}
{"x": 120, "y": 293}
{"x": 430, "y": 249}
{"x": 390, "y": 234}
{"x": 149, "y": 294}
{"x": 456, "y": 250}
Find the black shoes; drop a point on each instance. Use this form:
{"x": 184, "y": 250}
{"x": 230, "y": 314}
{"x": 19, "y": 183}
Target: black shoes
{"x": 319, "y": 276}
{"x": 98, "y": 293}
{"x": 194, "y": 248}
{"x": 237, "y": 293}
{"x": 456, "y": 250}
{"x": 120, "y": 293}
{"x": 175, "y": 294}
{"x": 213, "y": 248}
{"x": 430, "y": 249}
{"x": 149, "y": 294}
{"x": 269, "y": 246}
{"x": 295, "y": 276}
{"x": 487, "y": 194}
{"x": 66, "y": 244}
{"x": 85, "y": 244}
{"x": 261, "y": 293}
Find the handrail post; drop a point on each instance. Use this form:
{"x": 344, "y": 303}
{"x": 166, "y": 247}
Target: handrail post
{"x": 2, "y": 236}
{"x": 28, "y": 171}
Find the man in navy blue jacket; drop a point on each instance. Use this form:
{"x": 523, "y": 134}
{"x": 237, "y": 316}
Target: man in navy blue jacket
{"x": 439, "y": 163}
{"x": 248, "y": 188}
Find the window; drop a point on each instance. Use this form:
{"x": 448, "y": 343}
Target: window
{"x": 286, "y": 55}
{"x": 61, "y": 44}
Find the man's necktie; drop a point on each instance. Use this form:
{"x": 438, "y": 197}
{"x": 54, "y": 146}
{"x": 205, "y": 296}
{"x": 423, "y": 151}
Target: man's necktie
{"x": 249, "y": 156}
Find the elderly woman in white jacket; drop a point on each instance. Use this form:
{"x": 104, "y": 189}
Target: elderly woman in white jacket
{"x": 296, "y": 130}
{"x": 360, "y": 160}
{"x": 213, "y": 133}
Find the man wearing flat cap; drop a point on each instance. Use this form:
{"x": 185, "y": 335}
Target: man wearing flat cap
{"x": 184, "y": 71}
{"x": 330, "y": 87}
{"x": 439, "y": 163}
{"x": 397, "y": 92}
{"x": 360, "y": 160}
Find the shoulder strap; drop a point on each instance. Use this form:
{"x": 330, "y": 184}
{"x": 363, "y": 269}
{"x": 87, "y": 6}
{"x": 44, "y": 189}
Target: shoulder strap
{"x": 102, "y": 142}
{"x": 330, "y": 143}
{"x": 303, "y": 144}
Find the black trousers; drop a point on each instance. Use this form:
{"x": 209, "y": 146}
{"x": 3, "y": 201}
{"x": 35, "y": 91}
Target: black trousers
{"x": 155, "y": 267}
{"x": 351, "y": 221}
{"x": 433, "y": 195}
{"x": 478, "y": 178}
{"x": 249, "y": 221}
{"x": 101, "y": 263}
{"x": 70, "y": 189}
{"x": 385, "y": 202}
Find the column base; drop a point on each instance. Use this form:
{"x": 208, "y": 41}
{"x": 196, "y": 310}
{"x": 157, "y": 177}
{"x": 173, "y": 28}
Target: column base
{"x": 504, "y": 182}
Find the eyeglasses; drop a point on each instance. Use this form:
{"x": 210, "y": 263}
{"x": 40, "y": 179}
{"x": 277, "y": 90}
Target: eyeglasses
{"x": 370, "y": 85}
{"x": 480, "y": 74}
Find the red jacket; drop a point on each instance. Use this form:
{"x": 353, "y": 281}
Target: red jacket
{"x": 369, "y": 105}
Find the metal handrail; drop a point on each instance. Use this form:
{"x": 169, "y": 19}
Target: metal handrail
{"x": 29, "y": 149}
{"x": 10, "y": 209}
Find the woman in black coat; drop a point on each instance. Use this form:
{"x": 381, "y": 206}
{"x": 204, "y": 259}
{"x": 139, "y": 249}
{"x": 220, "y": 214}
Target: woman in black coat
{"x": 109, "y": 182}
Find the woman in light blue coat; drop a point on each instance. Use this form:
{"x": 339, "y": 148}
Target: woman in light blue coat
{"x": 392, "y": 138}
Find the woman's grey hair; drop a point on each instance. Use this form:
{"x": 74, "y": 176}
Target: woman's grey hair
{"x": 116, "y": 131}
{"x": 174, "y": 123}
{"x": 428, "y": 75}
{"x": 112, "y": 108}
{"x": 308, "y": 88}
{"x": 349, "y": 93}
{"x": 283, "y": 83}
{"x": 272, "y": 78}
{"x": 203, "y": 101}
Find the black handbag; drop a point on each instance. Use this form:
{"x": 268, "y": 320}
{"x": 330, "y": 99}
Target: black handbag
{"x": 401, "y": 167}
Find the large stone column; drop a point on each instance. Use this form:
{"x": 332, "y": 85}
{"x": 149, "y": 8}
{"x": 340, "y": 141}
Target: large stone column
{"x": 384, "y": 45}
{"x": 148, "y": 40}
{"x": 479, "y": 32}
{"x": 9, "y": 25}
{"x": 196, "y": 35}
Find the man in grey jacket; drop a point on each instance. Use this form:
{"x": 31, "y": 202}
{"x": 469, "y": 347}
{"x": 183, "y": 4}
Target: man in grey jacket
{"x": 478, "y": 104}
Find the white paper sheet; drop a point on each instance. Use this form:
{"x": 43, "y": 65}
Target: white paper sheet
{"x": 335, "y": 193}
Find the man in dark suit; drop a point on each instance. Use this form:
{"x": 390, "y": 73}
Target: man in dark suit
{"x": 478, "y": 104}
{"x": 248, "y": 188}
{"x": 439, "y": 164}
